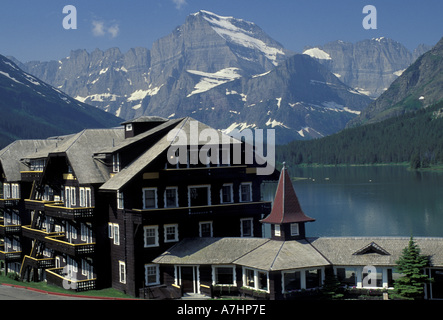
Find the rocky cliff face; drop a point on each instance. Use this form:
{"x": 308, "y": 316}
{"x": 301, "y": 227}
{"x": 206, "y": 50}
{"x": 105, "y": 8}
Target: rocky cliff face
{"x": 369, "y": 66}
{"x": 223, "y": 71}
{"x": 419, "y": 86}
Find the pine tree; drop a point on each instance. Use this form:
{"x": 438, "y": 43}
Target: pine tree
{"x": 411, "y": 264}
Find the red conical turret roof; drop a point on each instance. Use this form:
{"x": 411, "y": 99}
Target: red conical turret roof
{"x": 286, "y": 208}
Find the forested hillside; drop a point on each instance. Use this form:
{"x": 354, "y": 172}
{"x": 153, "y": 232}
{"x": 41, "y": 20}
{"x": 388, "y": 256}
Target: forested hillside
{"x": 415, "y": 137}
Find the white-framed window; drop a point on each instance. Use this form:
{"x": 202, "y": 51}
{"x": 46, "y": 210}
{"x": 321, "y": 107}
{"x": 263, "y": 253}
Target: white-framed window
{"x": 199, "y": 195}
{"x": 223, "y": 275}
{"x": 205, "y": 229}
{"x": 227, "y": 193}
{"x": 85, "y": 197}
{"x": 277, "y": 231}
{"x": 71, "y": 232}
{"x": 6, "y": 191}
{"x": 116, "y": 229}
{"x": 295, "y": 229}
{"x": 110, "y": 230}
{"x": 120, "y": 200}
{"x": 152, "y": 274}
{"x": 70, "y": 197}
{"x": 292, "y": 280}
{"x": 150, "y": 235}
{"x": 116, "y": 162}
{"x": 171, "y": 232}
{"x": 246, "y": 227}
{"x": 128, "y": 127}
{"x": 87, "y": 268}
{"x": 15, "y": 191}
{"x": 256, "y": 279}
{"x": 171, "y": 197}
{"x": 150, "y": 198}
{"x": 122, "y": 271}
{"x": 246, "y": 192}
{"x": 86, "y": 232}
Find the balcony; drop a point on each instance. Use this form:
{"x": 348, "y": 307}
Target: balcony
{"x": 40, "y": 263}
{"x": 30, "y": 176}
{"x": 11, "y": 256}
{"x": 37, "y": 234}
{"x": 38, "y": 205}
{"x": 10, "y": 229}
{"x": 59, "y": 278}
{"x": 255, "y": 208}
{"x": 59, "y": 211}
{"x": 9, "y": 203}
{"x": 59, "y": 244}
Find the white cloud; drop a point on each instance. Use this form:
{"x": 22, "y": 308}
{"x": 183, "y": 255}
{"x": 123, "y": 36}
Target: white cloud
{"x": 179, "y": 3}
{"x": 100, "y": 29}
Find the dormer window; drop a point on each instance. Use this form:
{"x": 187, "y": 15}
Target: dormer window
{"x": 128, "y": 127}
{"x": 116, "y": 162}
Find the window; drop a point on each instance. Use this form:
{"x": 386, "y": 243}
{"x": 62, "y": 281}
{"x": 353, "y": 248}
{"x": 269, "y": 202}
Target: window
{"x": 226, "y": 195}
{"x": 291, "y": 281}
{"x": 151, "y": 274}
{"x": 110, "y": 230}
{"x": 85, "y": 197}
{"x": 70, "y": 197}
{"x": 129, "y": 127}
{"x": 116, "y": 229}
{"x": 250, "y": 278}
{"x": 6, "y": 191}
{"x": 224, "y": 275}
{"x": 149, "y": 198}
{"x": 294, "y": 229}
{"x": 116, "y": 162}
{"x": 347, "y": 276}
{"x": 256, "y": 279}
{"x": 82, "y": 197}
{"x": 277, "y": 231}
{"x": 246, "y": 227}
{"x": 205, "y": 229}
{"x": 122, "y": 271}
{"x": 313, "y": 278}
{"x": 246, "y": 192}
{"x": 86, "y": 232}
{"x": 120, "y": 200}
{"x": 15, "y": 191}
{"x": 171, "y": 197}
{"x": 171, "y": 232}
{"x": 150, "y": 236}
{"x": 199, "y": 196}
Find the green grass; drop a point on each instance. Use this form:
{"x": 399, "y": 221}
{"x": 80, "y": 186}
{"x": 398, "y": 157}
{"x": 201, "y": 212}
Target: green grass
{"x": 103, "y": 293}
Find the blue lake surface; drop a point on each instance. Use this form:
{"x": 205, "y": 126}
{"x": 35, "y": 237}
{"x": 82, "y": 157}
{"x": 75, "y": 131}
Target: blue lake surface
{"x": 369, "y": 201}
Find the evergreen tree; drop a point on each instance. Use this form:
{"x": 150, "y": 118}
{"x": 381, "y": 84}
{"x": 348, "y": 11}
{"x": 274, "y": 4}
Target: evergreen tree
{"x": 411, "y": 264}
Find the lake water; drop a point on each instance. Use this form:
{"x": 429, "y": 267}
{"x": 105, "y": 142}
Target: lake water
{"x": 369, "y": 201}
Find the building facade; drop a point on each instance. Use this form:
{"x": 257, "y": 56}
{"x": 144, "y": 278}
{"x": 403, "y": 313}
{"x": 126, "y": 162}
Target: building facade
{"x": 95, "y": 208}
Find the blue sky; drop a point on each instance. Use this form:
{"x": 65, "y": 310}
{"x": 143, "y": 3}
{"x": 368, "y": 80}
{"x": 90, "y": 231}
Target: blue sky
{"x": 33, "y": 30}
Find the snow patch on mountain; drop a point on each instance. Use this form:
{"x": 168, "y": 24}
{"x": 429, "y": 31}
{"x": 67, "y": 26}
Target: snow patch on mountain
{"x": 318, "y": 54}
{"x": 212, "y": 80}
{"x": 225, "y": 27}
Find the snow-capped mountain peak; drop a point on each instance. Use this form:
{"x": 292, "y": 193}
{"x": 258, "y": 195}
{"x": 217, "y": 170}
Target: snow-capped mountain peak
{"x": 245, "y": 34}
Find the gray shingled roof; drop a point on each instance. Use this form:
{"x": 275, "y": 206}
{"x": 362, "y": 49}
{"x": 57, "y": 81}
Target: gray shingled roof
{"x": 79, "y": 149}
{"x": 184, "y": 126}
{"x": 209, "y": 250}
{"x": 11, "y": 155}
{"x": 344, "y": 250}
{"x": 259, "y": 253}
{"x": 274, "y": 255}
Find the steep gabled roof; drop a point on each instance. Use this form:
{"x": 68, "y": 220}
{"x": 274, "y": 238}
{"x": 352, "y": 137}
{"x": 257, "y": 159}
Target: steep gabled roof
{"x": 286, "y": 207}
{"x": 11, "y": 155}
{"x": 184, "y": 128}
{"x": 79, "y": 148}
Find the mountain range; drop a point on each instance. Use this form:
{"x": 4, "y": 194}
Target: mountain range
{"x": 229, "y": 74}
{"x": 31, "y": 109}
